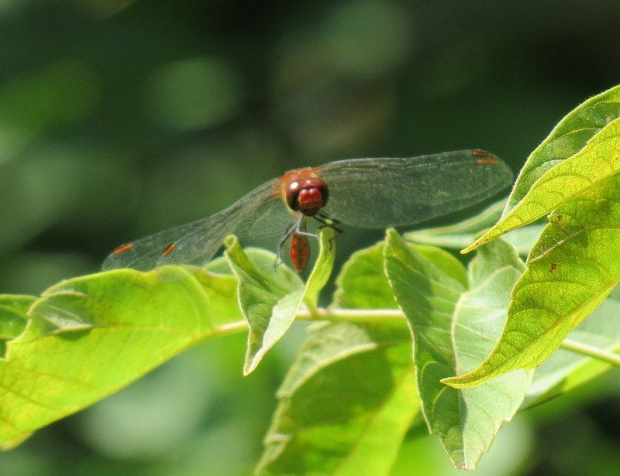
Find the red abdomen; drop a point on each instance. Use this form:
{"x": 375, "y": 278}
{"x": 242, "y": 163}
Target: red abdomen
{"x": 300, "y": 251}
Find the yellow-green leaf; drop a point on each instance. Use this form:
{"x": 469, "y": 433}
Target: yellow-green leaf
{"x": 596, "y": 162}
{"x": 566, "y": 139}
{"x": 322, "y": 269}
{"x": 88, "y": 337}
{"x": 268, "y": 297}
{"x": 574, "y": 266}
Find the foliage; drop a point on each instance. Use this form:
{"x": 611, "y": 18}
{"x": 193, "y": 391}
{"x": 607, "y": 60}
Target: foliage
{"x": 356, "y": 385}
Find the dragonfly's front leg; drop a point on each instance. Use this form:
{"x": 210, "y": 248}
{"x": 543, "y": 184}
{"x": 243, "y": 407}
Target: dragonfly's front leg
{"x": 327, "y": 221}
{"x": 294, "y": 226}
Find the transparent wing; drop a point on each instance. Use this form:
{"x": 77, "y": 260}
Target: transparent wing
{"x": 378, "y": 193}
{"x": 259, "y": 213}
{"x": 368, "y": 193}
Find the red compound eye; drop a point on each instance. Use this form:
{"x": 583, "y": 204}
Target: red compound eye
{"x": 307, "y": 196}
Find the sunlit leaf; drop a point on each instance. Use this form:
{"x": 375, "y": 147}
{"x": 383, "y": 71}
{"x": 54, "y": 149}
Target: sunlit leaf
{"x": 571, "y": 270}
{"x": 363, "y": 283}
{"x": 525, "y": 237}
{"x": 350, "y": 396}
{"x": 88, "y": 337}
{"x": 566, "y": 139}
{"x": 270, "y": 294}
{"x": 453, "y": 329}
{"x": 13, "y": 317}
{"x": 322, "y": 269}
{"x": 268, "y": 297}
{"x": 596, "y": 162}
{"x": 565, "y": 370}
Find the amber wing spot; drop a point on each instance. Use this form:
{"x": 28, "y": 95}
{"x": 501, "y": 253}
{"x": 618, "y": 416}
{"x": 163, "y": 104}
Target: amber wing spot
{"x": 168, "y": 249}
{"x": 484, "y": 157}
{"x": 487, "y": 161}
{"x": 122, "y": 248}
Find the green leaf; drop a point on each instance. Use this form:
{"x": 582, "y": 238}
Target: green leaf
{"x": 346, "y": 403}
{"x": 501, "y": 255}
{"x": 459, "y": 235}
{"x": 268, "y": 297}
{"x": 322, "y": 269}
{"x": 453, "y": 329}
{"x": 88, "y": 337}
{"x": 571, "y": 270}
{"x": 445, "y": 262}
{"x": 566, "y": 370}
{"x": 596, "y": 162}
{"x": 523, "y": 239}
{"x": 13, "y": 318}
{"x": 350, "y": 396}
{"x": 362, "y": 284}
{"x": 566, "y": 139}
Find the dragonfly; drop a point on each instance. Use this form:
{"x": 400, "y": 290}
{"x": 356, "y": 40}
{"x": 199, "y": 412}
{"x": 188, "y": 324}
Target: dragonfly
{"x": 363, "y": 193}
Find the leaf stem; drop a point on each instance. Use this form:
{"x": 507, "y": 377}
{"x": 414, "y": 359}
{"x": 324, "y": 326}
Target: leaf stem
{"x": 383, "y": 315}
{"x": 590, "y": 351}
{"x": 378, "y": 315}
{"x": 228, "y": 329}
{"x": 359, "y": 315}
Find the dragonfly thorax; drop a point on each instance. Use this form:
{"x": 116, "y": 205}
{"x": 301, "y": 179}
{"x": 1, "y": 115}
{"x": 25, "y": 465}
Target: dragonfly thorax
{"x": 307, "y": 196}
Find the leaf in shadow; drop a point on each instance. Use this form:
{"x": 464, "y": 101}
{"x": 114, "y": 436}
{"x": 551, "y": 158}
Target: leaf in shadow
{"x": 350, "y": 397}
{"x": 454, "y": 325}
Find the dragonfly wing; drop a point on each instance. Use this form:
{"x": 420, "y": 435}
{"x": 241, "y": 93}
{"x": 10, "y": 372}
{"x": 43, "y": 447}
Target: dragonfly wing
{"x": 259, "y": 213}
{"x": 377, "y": 193}
{"x": 195, "y": 243}
{"x": 143, "y": 254}
{"x": 270, "y": 218}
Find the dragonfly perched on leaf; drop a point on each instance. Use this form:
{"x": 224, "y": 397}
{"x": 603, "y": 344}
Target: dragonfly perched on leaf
{"x": 365, "y": 193}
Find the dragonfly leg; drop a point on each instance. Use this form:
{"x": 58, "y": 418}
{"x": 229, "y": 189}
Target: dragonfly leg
{"x": 327, "y": 221}
{"x": 300, "y": 228}
{"x": 285, "y": 236}
{"x": 278, "y": 261}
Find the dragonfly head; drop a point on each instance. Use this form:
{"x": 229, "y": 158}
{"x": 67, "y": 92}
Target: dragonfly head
{"x": 307, "y": 195}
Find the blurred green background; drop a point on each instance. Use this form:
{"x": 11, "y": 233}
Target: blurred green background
{"x": 119, "y": 118}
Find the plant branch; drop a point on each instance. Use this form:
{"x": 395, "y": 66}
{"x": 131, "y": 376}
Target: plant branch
{"x": 351, "y": 315}
{"x": 378, "y": 315}
{"x": 590, "y": 351}
{"x": 382, "y": 315}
